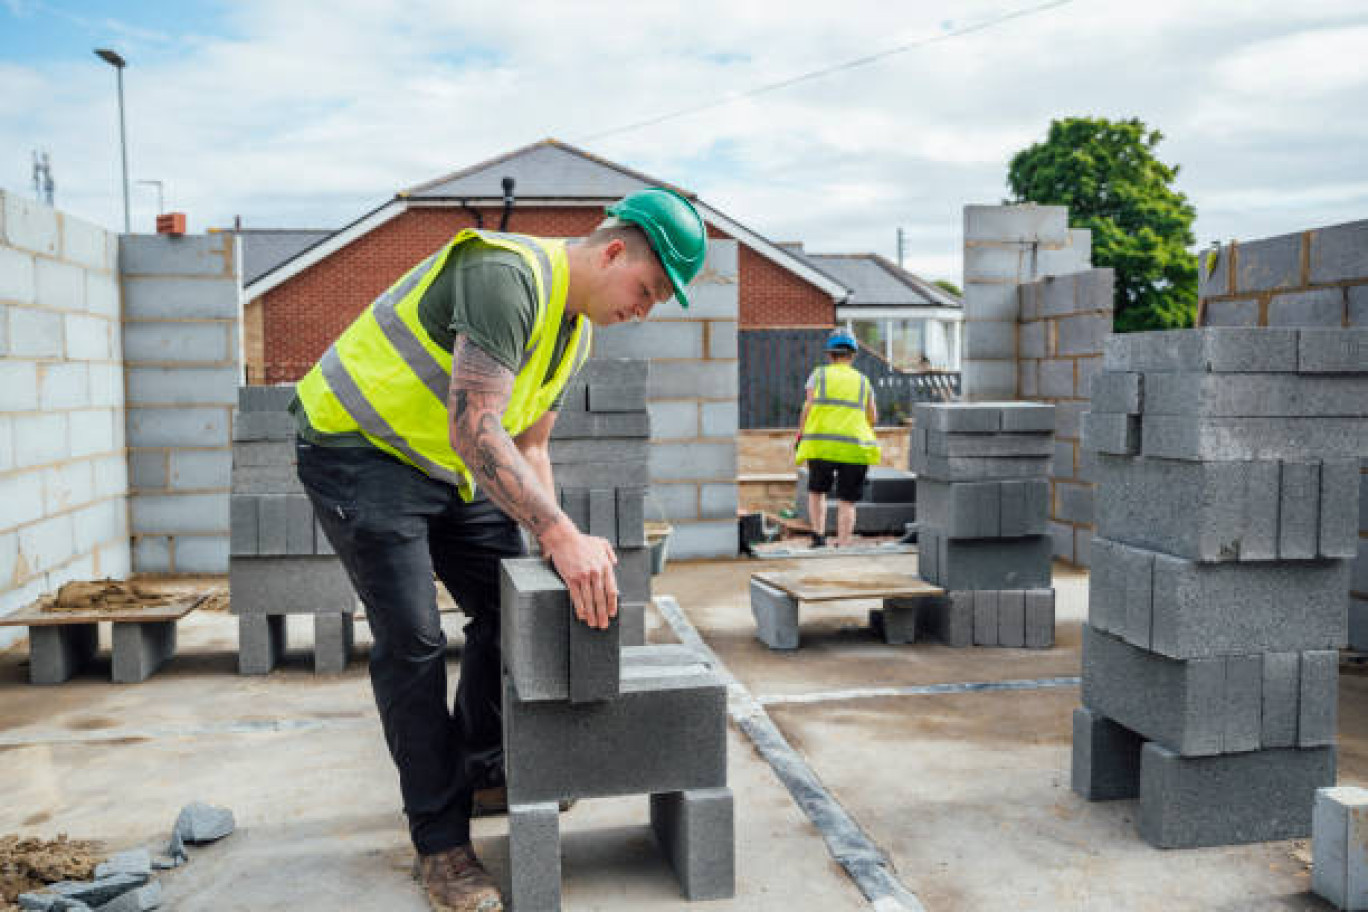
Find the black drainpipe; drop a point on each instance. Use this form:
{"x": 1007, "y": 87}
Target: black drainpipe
{"x": 508, "y": 203}
{"x": 474, "y": 213}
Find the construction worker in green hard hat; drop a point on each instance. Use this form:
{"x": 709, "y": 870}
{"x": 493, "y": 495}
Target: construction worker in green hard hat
{"x": 423, "y": 445}
{"x": 836, "y": 438}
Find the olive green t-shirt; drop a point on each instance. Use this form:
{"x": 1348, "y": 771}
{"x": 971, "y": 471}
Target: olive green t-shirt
{"x": 484, "y": 292}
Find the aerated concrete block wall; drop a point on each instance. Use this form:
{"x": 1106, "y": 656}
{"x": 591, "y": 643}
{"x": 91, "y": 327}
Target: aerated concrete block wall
{"x": 63, "y": 480}
{"x": 1314, "y": 279}
{"x": 692, "y": 400}
{"x": 1036, "y": 319}
{"x": 182, "y": 356}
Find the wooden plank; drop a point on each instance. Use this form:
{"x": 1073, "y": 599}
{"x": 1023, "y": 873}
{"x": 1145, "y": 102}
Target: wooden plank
{"x": 35, "y": 616}
{"x": 809, "y": 586}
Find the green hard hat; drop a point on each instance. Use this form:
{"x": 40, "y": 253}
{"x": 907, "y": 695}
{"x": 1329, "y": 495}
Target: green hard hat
{"x": 673, "y": 227}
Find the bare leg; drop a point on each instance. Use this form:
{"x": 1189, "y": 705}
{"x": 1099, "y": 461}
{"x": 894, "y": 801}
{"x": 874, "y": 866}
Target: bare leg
{"x": 817, "y": 512}
{"x": 845, "y": 523}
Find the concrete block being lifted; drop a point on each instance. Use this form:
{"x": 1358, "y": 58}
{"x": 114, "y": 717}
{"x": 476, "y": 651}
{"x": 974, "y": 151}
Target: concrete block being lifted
{"x": 1339, "y": 847}
{"x": 1106, "y": 758}
{"x": 665, "y": 732}
{"x": 1261, "y": 796}
{"x": 696, "y": 831}
{"x": 1183, "y": 609}
{"x": 547, "y": 657}
{"x": 138, "y": 649}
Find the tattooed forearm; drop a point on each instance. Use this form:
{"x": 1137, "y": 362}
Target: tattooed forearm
{"x": 481, "y": 389}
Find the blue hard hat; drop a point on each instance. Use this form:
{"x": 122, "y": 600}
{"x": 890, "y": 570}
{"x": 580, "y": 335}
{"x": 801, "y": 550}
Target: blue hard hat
{"x": 841, "y": 339}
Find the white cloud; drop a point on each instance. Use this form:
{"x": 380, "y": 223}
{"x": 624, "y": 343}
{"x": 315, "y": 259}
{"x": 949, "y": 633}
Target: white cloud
{"x": 306, "y": 114}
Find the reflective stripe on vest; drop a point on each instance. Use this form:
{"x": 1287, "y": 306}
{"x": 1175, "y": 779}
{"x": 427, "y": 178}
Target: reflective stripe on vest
{"x": 387, "y": 353}
{"x": 837, "y": 427}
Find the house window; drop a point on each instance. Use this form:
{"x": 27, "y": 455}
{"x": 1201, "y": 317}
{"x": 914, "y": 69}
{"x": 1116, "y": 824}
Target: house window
{"x": 902, "y": 343}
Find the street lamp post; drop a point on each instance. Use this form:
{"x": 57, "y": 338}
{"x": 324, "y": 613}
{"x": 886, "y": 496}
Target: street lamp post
{"x": 118, "y": 63}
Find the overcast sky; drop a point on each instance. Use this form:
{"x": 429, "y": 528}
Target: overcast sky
{"x": 305, "y": 114}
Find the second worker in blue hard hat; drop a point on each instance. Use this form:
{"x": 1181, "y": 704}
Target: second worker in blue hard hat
{"x": 836, "y": 438}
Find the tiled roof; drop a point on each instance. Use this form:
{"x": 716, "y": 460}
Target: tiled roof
{"x": 264, "y": 250}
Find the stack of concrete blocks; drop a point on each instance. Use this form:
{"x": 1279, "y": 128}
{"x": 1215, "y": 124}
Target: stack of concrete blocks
{"x": 600, "y": 459}
{"x": 982, "y": 489}
{"x": 63, "y": 478}
{"x": 282, "y": 563}
{"x": 887, "y": 504}
{"x": 585, "y": 717}
{"x": 1339, "y": 847}
{"x": 1227, "y": 467}
{"x": 692, "y": 398}
{"x": 1309, "y": 279}
{"x": 183, "y": 361}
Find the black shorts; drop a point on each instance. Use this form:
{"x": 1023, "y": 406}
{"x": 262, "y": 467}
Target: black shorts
{"x": 849, "y": 478}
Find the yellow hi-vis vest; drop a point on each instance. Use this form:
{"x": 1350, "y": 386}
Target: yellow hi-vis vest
{"x": 837, "y": 427}
{"x": 387, "y": 379}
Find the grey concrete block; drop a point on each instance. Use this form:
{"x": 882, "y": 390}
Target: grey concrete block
{"x": 1118, "y": 393}
{"x": 1255, "y": 395}
{"x": 1339, "y": 252}
{"x": 1339, "y": 847}
{"x": 1083, "y": 334}
{"x": 966, "y": 468}
{"x": 633, "y": 572}
{"x": 631, "y": 517}
{"x": 1268, "y": 263}
{"x": 696, "y": 832}
{"x": 1106, "y": 758}
{"x": 665, "y": 732}
{"x": 928, "y": 552}
{"x": 578, "y": 425}
{"x": 261, "y": 642}
{"x": 693, "y": 461}
{"x": 272, "y": 523}
{"x": 1232, "y": 439}
{"x": 536, "y": 616}
{"x": 575, "y": 503}
{"x": 254, "y": 426}
{"x": 1318, "y": 699}
{"x": 991, "y": 301}
{"x": 897, "y": 620}
{"x": 887, "y": 485}
{"x": 275, "y": 398}
{"x": 949, "y": 620}
{"x": 693, "y": 380}
{"x": 986, "y": 603}
{"x": 534, "y": 861}
{"x": 277, "y": 479}
{"x": 1340, "y": 513}
{"x": 776, "y": 616}
{"x": 1188, "y": 802}
{"x": 1011, "y": 618}
{"x": 137, "y": 650}
{"x": 1016, "y": 563}
{"x": 939, "y": 443}
{"x": 594, "y": 661}
{"x": 1026, "y": 417}
{"x": 1333, "y": 351}
{"x": 1116, "y": 435}
{"x": 1319, "y": 307}
{"x": 321, "y": 543}
{"x": 190, "y": 426}
{"x": 1074, "y": 503}
{"x": 185, "y": 255}
{"x": 252, "y": 453}
{"x": 295, "y": 584}
{"x": 299, "y": 525}
{"x": 334, "y": 636}
{"x": 1040, "y": 618}
{"x": 1058, "y": 380}
{"x": 603, "y": 513}
{"x": 1298, "y": 510}
{"x": 990, "y": 339}
{"x": 1357, "y": 313}
{"x": 58, "y": 652}
{"x": 974, "y": 418}
{"x": 1231, "y": 312}
{"x": 1028, "y": 223}
{"x": 961, "y": 509}
{"x": 243, "y": 512}
{"x": 1248, "y": 350}
{"x": 1137, "y": 587}
{"x": 1031, "y": 342}
{"x": 1182, "y": 704}
{"x": 631, "y": 622}
{"x": 1281, "y": 687}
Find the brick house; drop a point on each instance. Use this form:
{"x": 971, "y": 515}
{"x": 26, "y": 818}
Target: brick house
{"x": 303, "y": 288}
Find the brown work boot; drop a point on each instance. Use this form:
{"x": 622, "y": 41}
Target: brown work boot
{"x": 493, "y": 802}
{"x": 455, "y": 881}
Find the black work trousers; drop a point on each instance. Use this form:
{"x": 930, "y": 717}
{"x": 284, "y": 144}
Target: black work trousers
{"x": 393, "y": 526}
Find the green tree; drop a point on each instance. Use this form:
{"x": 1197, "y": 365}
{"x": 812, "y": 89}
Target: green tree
{"x": 1106, "y": 173}
{"x": 947, "y": 285}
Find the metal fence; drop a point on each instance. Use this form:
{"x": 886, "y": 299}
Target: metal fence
{"x": 775, "y": 364}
